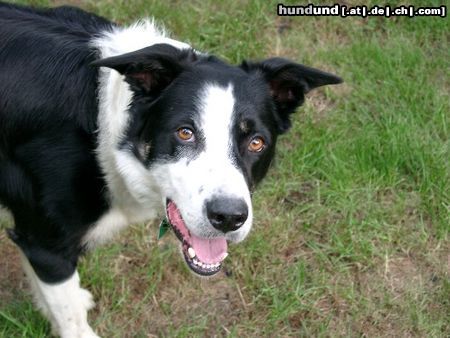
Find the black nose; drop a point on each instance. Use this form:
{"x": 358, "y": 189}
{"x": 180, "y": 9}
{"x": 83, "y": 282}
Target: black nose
{"x": 227, "y": 214}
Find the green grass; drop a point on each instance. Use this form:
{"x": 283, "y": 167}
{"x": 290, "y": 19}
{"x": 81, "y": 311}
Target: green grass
{"x": 352, "y": 223}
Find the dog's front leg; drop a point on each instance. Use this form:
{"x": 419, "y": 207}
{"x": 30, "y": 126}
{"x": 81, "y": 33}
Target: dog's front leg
{"x": 65, "y": 304}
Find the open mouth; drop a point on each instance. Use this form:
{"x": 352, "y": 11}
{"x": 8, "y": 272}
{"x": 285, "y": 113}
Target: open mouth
{"x": 204, "y": 256}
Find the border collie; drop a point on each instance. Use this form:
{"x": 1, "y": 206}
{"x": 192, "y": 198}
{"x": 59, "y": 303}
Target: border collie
{"x": 102, "y": 126}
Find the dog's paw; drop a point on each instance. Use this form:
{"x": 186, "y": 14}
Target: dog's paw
{"x": 87, "y": 332}
{"x": 87, "y": 299}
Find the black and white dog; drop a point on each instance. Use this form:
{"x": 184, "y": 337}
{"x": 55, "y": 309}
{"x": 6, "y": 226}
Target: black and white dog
{"x": 102, "y": 126}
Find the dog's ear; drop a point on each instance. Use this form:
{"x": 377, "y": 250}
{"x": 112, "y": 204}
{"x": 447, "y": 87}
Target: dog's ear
{"x": 289, "y": 82}
{"x": 150, "y": 69}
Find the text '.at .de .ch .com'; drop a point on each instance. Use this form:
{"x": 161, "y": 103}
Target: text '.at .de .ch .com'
{"x": 361, "y": 11}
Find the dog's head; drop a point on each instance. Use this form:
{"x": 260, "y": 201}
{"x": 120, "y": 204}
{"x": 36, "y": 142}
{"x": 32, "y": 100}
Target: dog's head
{"x": 205, "y": 132}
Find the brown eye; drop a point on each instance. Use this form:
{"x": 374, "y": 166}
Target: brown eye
{"x": 256, "y": 144}
{"x": 185, "y": 134}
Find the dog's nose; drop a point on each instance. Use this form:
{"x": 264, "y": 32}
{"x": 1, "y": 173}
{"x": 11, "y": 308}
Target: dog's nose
{"x": 227, "y": 214}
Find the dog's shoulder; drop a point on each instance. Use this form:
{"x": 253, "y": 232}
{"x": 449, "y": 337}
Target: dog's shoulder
{"x": 45, "y": 74}
{"x": 48, "y": 112}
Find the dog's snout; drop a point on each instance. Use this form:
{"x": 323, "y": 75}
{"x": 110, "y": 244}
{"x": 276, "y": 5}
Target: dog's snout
{"x": 227, "y": 214}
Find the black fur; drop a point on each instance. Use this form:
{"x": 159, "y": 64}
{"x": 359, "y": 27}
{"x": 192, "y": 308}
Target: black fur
{"x": 49, "y": 177}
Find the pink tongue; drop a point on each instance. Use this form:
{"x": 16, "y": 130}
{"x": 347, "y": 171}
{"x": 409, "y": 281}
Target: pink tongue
{"x": 209, "y": 251}
{"x": 176, "y": 220}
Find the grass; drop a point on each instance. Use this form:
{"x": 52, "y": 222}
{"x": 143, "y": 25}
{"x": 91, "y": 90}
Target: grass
{"x": 352, "y": 223}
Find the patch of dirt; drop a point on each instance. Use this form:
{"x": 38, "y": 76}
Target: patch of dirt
{"x": 322, "y": 104}
{"x": 219, "y": 296}
{"x": 179, "y": 297}
{"x": 393, "y": 280}
{"x": 401, "y": 275}
{"x": 12, "y": 279}
{"x": 298, "y": 197}
{"x": 181, "y": 300}
{"x": 398, "y": 274}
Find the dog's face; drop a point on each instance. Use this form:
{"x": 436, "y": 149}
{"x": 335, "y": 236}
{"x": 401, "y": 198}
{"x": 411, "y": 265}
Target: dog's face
{"x": 205, "y": 132}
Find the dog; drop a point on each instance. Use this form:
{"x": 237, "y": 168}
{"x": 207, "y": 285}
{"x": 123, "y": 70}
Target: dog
{"x": 102, "y": 126}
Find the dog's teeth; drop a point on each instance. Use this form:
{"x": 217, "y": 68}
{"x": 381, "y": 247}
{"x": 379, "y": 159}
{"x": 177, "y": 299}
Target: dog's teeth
{"x": 196, "y": 262}
{"x": 191, "y": 252}
{"x": 208, "y": 266}
{"x": 225, "y": 255}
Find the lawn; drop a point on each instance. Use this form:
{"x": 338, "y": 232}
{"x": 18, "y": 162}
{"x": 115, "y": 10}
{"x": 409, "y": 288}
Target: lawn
{"x": 351, "y": 233}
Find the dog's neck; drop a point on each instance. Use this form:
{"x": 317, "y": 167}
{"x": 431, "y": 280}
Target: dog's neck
{"x": 113, "y": 117}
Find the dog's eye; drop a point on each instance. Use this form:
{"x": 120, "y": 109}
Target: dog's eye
{"x": 185, "y": 134}
{"x": 256, "y": 144}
